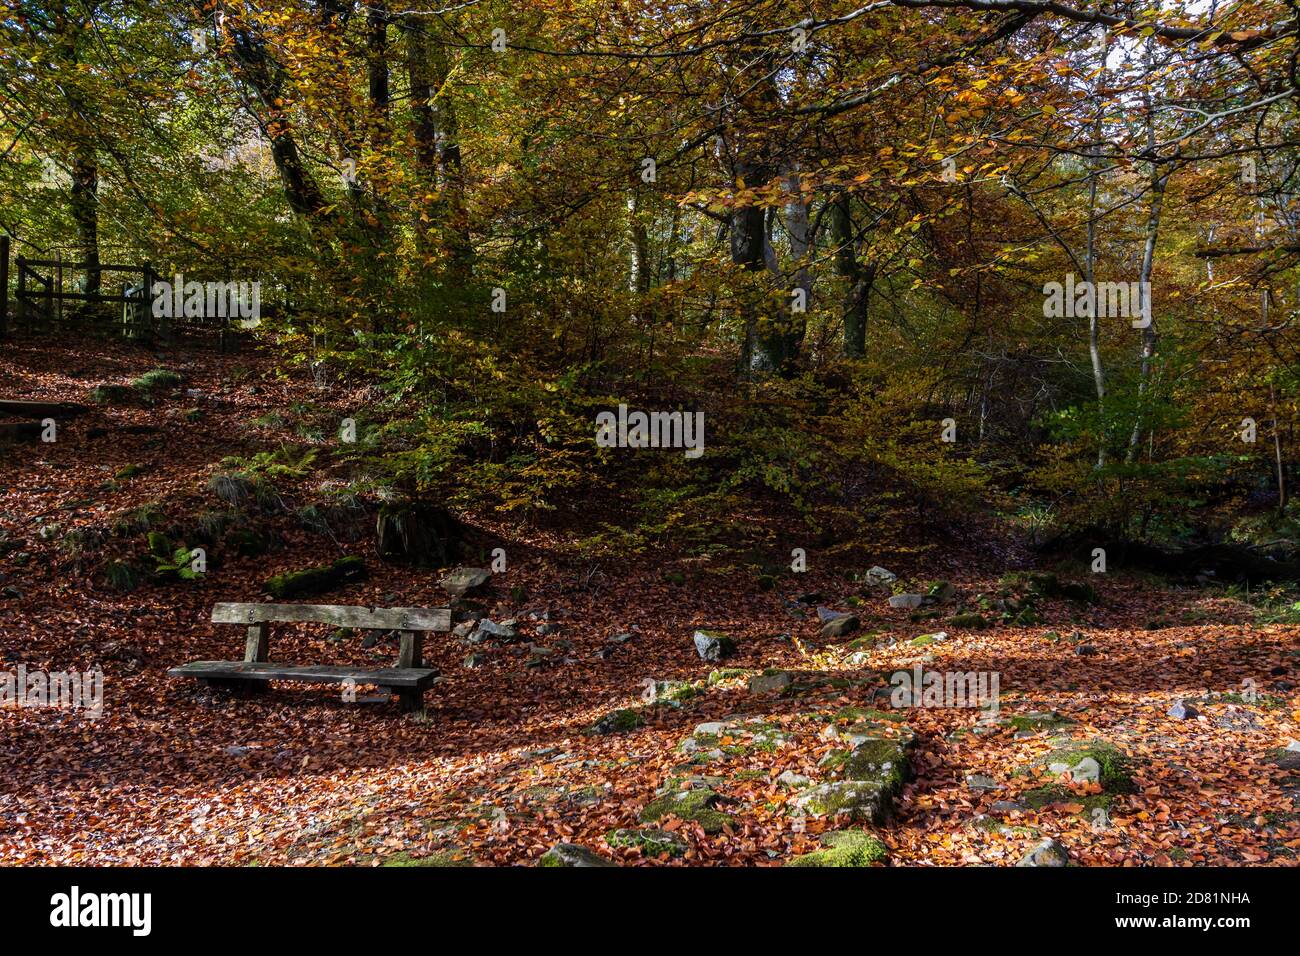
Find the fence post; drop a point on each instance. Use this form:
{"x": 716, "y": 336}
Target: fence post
{"x": 4, "y": 285}
{"x": 22, "y": 293}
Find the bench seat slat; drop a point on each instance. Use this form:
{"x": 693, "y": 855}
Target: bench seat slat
{"x": 413, "y": 677}
{"x": 340, "y": 615}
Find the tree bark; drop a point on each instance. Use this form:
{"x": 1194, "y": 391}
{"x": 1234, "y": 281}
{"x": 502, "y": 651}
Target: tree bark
{"x": 858, "y": 279}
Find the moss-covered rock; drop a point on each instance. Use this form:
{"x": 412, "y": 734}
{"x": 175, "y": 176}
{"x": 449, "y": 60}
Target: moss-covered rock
{"x": 651, "y": 842}
{"x": 159, "y": 379}
{"x": 725, "y": 674}
{"x": 675, "y": 691}
{"x": 1043, "y": 583}
{"x": 618, "y": 722}
{"x": 968, "y": 619}
{"x": 845, "y": 848}
{"x": 109, "y": 394}
{"x": 1115, "y": 766}
{"x": 316, "y": 580}
{"x": 858, "y": 800}
{"x": 697, "y": 805}
{"x": 1080, "y": 591}
{"x": 1041, "y": 797}
{"x": 881, "y": 761}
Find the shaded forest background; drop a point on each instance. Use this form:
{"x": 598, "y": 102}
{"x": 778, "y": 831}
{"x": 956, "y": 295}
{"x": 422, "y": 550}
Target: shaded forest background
{"x": 503, "y": 218}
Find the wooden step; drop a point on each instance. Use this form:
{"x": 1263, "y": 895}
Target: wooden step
{"x": 417, "y": 678}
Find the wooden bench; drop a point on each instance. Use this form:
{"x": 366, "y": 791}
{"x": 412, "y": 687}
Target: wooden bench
{"x": 408, "y": 679}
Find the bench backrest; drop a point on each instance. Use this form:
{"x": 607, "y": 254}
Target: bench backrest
{"x": 340, "y": 615}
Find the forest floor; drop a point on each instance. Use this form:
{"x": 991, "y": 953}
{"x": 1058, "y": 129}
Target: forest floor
{"x": 503, "y": 763}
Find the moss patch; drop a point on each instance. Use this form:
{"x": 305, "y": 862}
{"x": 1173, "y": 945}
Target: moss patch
{"x": 618, "y": 722}
{"x": 845, "y": 848}
{"x": 441, "y": 858}
{"x": 649, "y": 842}
{"x": 697, "y": 805}
{"x": 316, "y": 580}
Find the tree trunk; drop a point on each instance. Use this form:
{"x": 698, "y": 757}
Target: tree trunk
{"x": 85, "y": 213}
{"x": 858, "y": 280}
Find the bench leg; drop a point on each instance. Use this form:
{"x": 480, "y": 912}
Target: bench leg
{"x": 411, "y": 698}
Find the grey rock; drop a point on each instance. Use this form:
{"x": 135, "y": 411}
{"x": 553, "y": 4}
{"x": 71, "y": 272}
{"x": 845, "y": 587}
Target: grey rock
{"x": 1008, "y": 806}
{"x": 1086, "y": 650}
{"x": 878, "y": 575}
{"x": 714, "y": 728}
{"x": 770, "y": 683}
{"x": 620, "y": 638}
{"x": 713, "y": 645}
{"x": 461, "y": 581}
{"x": 980, "y": 781}
{"x": 474, "y": 660}
{"x": 1047, "y": 853}
{"x": 488, "y": 630}
{"x": 943, "y": 591}
{"x": 572, "y": 855}
{"x": 841, "y": 626}
{"x": 1181, "y": 710}
{"x": 908, "y": 601}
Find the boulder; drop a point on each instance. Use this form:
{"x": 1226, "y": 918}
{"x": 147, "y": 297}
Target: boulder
{"x": 488, "y": 630}
{"x": 617, "y": 722}
{"x": 770, "y": 682}
{"x": 1047, "y": 853}
{"x": 859, "y": 801}
{"x": 713, "y": 645}
{"x": 697, "y": 805}
{"x": 877, "y": 576}
{"x": 841, "y": 626}
{"x": 417, "y": 533}
{"x": 462, "y": 581}
{"x": 571, "y": 854}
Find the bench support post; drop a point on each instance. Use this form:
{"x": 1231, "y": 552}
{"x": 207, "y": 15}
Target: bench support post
{"x": 410, "y": 652}
{"x": 257, "y": 648}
